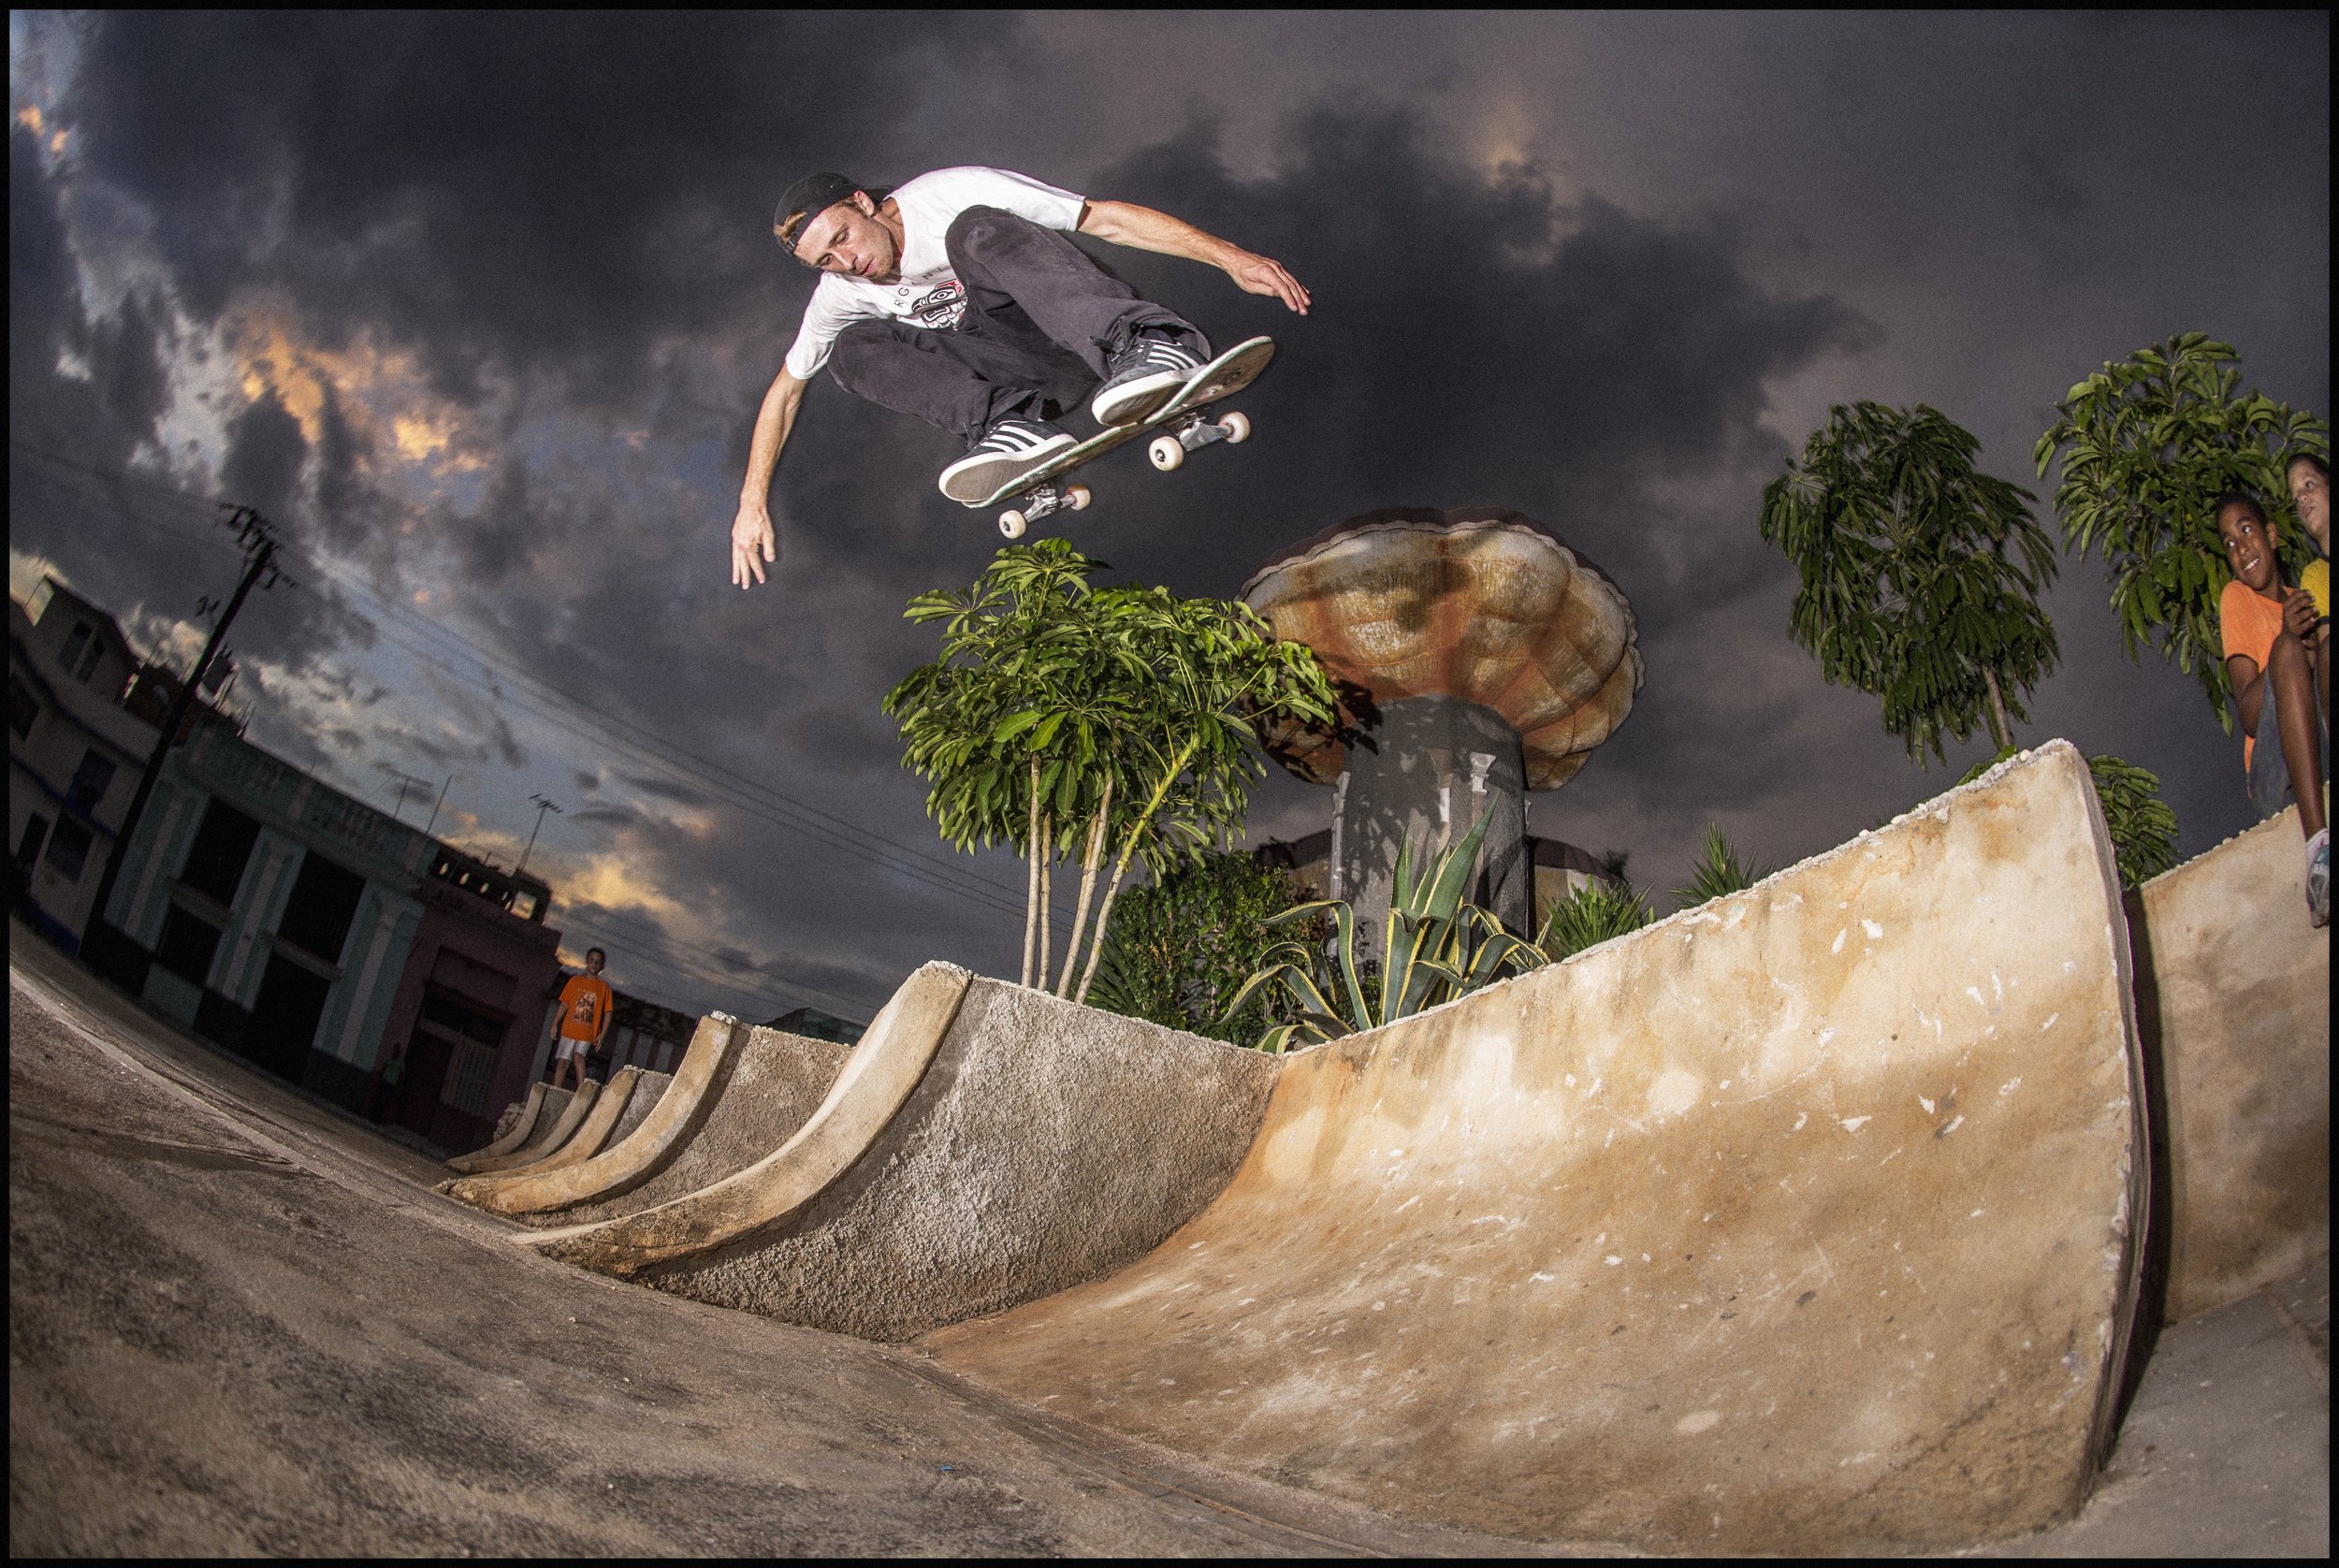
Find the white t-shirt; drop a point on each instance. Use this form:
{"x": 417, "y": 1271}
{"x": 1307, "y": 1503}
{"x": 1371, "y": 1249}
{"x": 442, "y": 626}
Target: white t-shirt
{"x": 927, "y": 293}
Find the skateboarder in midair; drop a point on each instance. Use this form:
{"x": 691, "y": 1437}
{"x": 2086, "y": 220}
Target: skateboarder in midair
{"x": 957, "y": 297}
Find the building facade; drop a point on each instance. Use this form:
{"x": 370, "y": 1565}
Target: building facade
{"x": 75, "y": 753}
{"x": 323, "y": 940}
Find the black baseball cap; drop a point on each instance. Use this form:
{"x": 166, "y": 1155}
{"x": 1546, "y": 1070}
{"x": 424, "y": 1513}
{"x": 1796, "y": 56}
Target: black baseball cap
{"x": 812, "y": 195}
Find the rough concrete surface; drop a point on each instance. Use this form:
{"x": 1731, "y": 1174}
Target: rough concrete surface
{"x": 883, "y": 1068}
{"x": 1797, "y": 1223}
{"x": 776, "y": 1083}
{"x": 586, "y": 1141}
{"x": 2226, "y": 1451}
{"x": 550, "y": 1107}
{"x": 2233, "y": 992}
{"x": 558, "y": 1128}
{"x": 642, "y": 1153}
{"x": 1046, "y": 1144}
{"x": 515, "y": 1124}
{"x": 241, "y": 1323}
{"x": 647, "y": 1090}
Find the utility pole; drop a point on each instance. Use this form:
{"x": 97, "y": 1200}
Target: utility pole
{"x": 543, "y": 806}
{"x": 254, "y": 532}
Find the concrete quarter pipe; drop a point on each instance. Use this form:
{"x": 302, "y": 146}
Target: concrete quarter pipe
{"x": 1796, "y": 1223}
{"x": 681, "y": 1109}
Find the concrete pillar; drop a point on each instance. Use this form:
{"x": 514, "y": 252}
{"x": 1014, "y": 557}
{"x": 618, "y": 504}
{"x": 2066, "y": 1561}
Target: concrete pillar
{"x": 1428, "y": 768}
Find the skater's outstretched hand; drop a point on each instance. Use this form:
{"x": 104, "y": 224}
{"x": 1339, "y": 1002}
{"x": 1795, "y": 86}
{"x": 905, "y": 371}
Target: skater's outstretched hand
{"x": 752, "y": 542}
{"x": 1257, "y": 274}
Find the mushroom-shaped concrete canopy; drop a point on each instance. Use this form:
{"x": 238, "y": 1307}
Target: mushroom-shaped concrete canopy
{"x": 1480, "y": 603}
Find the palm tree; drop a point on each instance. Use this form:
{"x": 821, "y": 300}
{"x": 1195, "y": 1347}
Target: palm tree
{"x": 1919, "y": 576}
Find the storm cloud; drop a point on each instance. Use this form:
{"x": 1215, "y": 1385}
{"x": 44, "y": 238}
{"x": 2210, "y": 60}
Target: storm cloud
{"x": 477, "y": 309}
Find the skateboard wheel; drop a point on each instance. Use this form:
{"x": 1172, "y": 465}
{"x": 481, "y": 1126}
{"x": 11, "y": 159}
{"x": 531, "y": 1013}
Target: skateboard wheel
{"x": 1166, "y": 452}
{"x": 1238, "y": 429}
{"x": 1011, "y": 524}
{"x": 1077, "y": 496}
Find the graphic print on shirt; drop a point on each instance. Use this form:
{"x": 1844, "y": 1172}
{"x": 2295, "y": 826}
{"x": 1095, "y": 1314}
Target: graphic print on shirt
{"x": 942, "y": 306}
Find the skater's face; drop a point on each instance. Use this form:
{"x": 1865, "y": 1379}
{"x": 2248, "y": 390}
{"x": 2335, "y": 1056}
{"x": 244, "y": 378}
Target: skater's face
{"x": 851, "y": 238}
{"x": 2250, "y": 545}
{"x": 2310, "y": 492}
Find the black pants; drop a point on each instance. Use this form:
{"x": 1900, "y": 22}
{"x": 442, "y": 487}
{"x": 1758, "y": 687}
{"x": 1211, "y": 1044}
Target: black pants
{"x": 1040, "y": 324}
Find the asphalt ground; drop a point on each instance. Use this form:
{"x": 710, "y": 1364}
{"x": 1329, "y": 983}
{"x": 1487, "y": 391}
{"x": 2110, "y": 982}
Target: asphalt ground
{"x": 240, "y": 1322}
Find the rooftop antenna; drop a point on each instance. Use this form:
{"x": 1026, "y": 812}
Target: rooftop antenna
{"x": 543, "y": 806}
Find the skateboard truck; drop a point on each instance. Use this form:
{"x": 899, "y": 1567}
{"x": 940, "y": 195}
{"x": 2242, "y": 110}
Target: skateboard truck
{"x": 1183, "y": 426}
{"x": 1196, "y": 429}
{"x": 1039, "y": 500}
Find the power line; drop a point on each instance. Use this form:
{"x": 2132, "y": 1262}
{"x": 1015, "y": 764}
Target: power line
{"x": 736, "y": 788}
{"x": 662, "y": 948}
{"x": 609, "y": 925}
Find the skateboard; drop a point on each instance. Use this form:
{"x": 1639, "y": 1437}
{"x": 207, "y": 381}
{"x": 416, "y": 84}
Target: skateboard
{"x": 1178, "y": 427}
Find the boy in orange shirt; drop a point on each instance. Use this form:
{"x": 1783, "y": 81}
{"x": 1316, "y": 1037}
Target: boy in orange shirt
{"x": 2277, "y": 648}
{"x": 585, "y": 1004}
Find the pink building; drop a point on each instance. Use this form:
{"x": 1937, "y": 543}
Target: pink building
{"x": 468, "y": 1005}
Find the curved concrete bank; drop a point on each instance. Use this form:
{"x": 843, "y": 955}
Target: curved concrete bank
{"x": 985, "y": 1144}
{"x": 555, "y": 1131}
{"x": 647, "y": 1092}
{"x": 542, "y": 1139}
{"x": 1798, "y": 1223}
{"x": 594, "y": 1131}
{"x": 517, "y": 1134}
{"x": 626, "y": 1165}
{"x": 776, "y": 1083}
{"x": 2233, "y": 992}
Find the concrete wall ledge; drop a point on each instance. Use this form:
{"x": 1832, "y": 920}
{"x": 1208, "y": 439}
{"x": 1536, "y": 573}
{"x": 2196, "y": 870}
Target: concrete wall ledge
{"x": 638, "y": 1156}
{"x": 886, "y": 1065}
{"x": 591, "y": 1134}
{"x": 775, "y": 1083}
{"x": 555, "y": 1130}
{"x": 523, "y": 1127}
{"x": 1796, "y": 1223}
{"x": 1038, "y": 1145}
{"x": 2233, "y": 1002}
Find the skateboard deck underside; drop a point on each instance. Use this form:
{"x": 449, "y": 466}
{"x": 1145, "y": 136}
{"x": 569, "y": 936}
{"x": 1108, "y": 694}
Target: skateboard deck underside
{"x": 1223, "y": 377}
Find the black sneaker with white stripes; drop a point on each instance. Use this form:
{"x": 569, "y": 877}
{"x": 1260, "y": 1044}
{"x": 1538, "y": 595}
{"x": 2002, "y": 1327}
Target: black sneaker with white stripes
{"x": 1009, "y": 449}
{"x": 1142, "y": 377}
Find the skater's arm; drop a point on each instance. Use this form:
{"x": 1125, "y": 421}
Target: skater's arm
{"x": 1125, "y": 223}
{"x": 752, "y": 542}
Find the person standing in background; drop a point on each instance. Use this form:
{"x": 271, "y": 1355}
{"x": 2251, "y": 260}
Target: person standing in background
{"x": 585, "y": 1003}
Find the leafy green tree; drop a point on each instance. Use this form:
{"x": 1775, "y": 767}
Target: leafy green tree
{"x": 2147, "y": 444}
{"x": 1006, "y": 725}
{"x": 1067, "y": 720}
{"x": 1181, "y": 947}
{"x": 1919, "y": 576}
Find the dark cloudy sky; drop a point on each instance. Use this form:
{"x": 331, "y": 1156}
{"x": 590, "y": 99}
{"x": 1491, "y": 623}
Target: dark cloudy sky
{"x": 478, "y": 309}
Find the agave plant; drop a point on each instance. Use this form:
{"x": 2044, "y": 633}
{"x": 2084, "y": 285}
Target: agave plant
{"x": 1592, "y": 914}
{"x": 1439, "y": 948}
